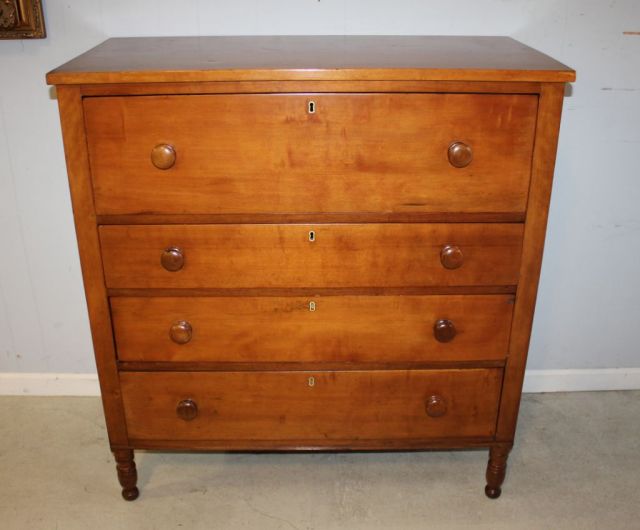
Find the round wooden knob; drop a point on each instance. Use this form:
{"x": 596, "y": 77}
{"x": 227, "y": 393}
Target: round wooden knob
{"x": 436, "y": 406}
{"x": 451, "y": 257}
{"x": 187, "y": 410}
{"x": 163, "y": 156}
{"x": 460, "y": 154}
{"x": 444, "y": 330}
{"x": 172, "y": 259}
{"x": 181, "y": 332}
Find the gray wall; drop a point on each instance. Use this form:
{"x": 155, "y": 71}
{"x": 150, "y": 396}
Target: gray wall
{"x": 587, "y": 311}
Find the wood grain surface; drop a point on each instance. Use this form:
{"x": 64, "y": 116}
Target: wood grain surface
{"x": 267, "y": 154}
{"x": 341, "y": 255}
{"x": 311, "y": 329}
{"x": 361, "y": 57}
{"x": 71, "y": 118}
{"x": 322, "y": 406}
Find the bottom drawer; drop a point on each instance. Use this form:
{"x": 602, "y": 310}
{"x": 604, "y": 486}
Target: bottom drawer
{"x": 311, "y": 407}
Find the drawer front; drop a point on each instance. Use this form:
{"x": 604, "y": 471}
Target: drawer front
{"x": 330, "y": 255}
{"x": 313, "y": 329}
{"x": 311, "y": 406}
{"x": 270, "y": 154}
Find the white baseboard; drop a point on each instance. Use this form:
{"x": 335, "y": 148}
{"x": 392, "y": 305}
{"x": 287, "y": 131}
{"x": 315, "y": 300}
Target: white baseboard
{"x": 30, "y": 384}
{"x": 582, "y": 380}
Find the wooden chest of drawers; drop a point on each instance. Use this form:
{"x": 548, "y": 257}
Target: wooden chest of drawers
{"x": 311, "y": 242}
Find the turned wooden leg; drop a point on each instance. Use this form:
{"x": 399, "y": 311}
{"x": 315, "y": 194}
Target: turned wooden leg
{"x": 496, "y": 470}
{"x": 127, "y": 474}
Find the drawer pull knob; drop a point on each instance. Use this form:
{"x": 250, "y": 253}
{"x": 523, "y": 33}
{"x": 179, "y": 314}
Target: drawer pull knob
{"x": 460, "y": 154}
{"x": 163, "y": 156}
{"x": 451, "y": 257}
{"x": 444, "y": 330}
{"x": 436, "y": 406}
{"x": 187, "y": 410}
{"x": 172, "y": 259}
{"x": 181, "y": 332}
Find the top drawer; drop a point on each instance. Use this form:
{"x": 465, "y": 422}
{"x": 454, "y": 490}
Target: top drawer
{"x": 311, "y": 153}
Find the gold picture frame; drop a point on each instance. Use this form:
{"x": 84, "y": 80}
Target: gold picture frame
{"x": 21, "y": 19}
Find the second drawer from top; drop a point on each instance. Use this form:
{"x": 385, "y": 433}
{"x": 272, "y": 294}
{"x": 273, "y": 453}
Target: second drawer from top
{"x": 228, "y": 256}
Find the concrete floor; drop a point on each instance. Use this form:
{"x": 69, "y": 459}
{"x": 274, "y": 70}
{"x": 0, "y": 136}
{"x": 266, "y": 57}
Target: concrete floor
{"x": 576, "y": 464}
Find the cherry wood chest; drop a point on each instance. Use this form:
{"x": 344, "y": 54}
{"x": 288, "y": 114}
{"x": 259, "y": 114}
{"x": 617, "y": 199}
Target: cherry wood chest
{"x": 301, "y": 243}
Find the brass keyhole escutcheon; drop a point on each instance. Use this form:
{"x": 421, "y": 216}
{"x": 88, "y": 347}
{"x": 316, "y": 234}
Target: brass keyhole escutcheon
{"x": 311, "y": 381}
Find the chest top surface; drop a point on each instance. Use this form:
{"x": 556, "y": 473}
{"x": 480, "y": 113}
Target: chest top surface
{"x": 282, "y": 58}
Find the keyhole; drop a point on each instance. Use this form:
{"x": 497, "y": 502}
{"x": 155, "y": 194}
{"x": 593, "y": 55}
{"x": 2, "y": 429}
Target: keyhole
{"x": 311, "y": 108}
{"x": 312, "y": 306}
{"x": 312, "y": 235}
{"x": 312, "y": 381}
